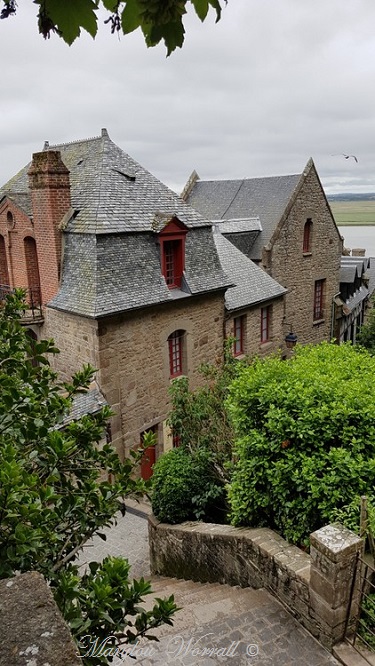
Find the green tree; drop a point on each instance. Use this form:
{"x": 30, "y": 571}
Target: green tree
{"x": 190, "y": 481}
{"x": 54, "y": 492}
{"x": 200, "y": 418}
{"x": 366, "y": 336}
{"x": 305, "y": 438}
{"x": 158, "y": 19}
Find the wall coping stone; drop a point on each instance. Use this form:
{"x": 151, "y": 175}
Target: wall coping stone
{"x": 33, "y": 630}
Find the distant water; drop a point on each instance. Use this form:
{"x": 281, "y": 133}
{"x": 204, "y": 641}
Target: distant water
{"x": 358, "y": 236}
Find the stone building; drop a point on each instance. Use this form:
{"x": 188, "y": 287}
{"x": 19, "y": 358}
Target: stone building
{"x": 127, "y": 276}
{"x": 129, "y": 271}
{"x": 288, "y": 230}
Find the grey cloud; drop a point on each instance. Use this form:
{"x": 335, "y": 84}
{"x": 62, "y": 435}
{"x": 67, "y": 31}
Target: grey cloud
{"x": 257, "y": 94}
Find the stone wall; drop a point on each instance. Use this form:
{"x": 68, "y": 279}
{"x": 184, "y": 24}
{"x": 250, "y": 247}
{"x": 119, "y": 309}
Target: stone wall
{"x": 316, "y": 587}
{"x": 77, "y": 339}
{"x": 298, "y": 271}
{"x": 134, "y": 361}
{"x": 252, "y": 343}
{"x": 33, "y": 632}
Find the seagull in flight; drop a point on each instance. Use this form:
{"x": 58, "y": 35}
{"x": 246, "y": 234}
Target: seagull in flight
{"x": 346, "y": 156}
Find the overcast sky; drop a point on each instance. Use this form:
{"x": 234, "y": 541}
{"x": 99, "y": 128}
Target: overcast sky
{"x": 273, "y": 83}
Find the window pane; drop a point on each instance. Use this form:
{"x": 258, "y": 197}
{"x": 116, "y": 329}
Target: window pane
{"x": 238, "y": 335}
{"x": 318, "y": 300}
{"x": 175, "y": 342}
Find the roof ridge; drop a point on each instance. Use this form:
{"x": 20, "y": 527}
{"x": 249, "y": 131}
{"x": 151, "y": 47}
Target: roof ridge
{"x": 242, "y": 180}
{"x": 47, "y": 145}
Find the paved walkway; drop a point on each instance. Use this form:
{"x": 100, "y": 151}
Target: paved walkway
{"x": 218, "y": 624}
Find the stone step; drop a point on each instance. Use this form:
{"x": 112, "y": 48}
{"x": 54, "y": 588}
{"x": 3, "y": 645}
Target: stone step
{"x": 203, "y": 603}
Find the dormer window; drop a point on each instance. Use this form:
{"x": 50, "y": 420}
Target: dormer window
{"x": 172, "y": 248}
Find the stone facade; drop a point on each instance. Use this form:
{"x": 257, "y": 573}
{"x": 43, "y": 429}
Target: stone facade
{"x": 134, "y": 371}
{"x": 299, "y": 271}
{"x": 253, "y": 346}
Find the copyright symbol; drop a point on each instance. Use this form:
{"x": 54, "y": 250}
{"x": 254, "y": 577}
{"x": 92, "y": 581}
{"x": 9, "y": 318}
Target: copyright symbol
{"x": 252, "y": 650}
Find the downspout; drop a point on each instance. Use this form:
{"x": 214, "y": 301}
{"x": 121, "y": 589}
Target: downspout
{"x": 333, "y": 314}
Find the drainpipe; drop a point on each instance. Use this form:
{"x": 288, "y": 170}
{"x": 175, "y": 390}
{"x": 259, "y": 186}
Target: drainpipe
{"x": 333, "y": 313}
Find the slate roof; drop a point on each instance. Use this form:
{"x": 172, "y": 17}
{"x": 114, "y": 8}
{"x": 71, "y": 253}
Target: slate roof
{"x": 252, "y": 284}
{"x": 110, "y": 190}
{"x": 111, "y": 250}
{"x": 360, "y": 295}
{"x": 90, "y": 402}
{"x": 104, "y": 274}
{"x": 265, "y": 198}
{"x": 352, "y": 267}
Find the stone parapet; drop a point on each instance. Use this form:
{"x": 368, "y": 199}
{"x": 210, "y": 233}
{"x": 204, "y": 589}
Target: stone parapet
{"x": 316, "y": 587}
{"x": 33, "y": 632}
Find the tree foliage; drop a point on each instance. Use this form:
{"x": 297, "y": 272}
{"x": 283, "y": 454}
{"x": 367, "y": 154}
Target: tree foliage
{"x": 200, "y": 418}
{"x": 158, "y": 19}
{"x": 305, "y": 438}
{"x": 366, "y": 336}
{"x": 55, "y": 493}
{"x": 184, "y": 487}
{"x": 190, "y": 482}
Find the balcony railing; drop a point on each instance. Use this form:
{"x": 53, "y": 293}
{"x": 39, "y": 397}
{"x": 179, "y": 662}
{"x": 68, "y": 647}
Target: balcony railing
{"x": 33, "y": 303}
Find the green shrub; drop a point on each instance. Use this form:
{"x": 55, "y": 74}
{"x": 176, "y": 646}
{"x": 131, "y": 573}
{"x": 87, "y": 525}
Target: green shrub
{"x": 183, "y": 488}
{"x": 305, "y": 438}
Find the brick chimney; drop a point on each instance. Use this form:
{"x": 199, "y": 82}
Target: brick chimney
{"x": 50, "y": 196}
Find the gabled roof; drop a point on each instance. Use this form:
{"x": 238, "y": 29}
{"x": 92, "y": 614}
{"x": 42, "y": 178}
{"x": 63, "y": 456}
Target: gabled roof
{"x": 110, "y": 190}
{"x": 252, "y": 284}
{"x": 352, "y": 267}
{"x": 265, "y": 198}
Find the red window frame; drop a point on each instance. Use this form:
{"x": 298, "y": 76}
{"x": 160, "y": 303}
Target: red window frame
{"x": 319, "y": 300}
{"x": 176, "y": 349}
{"x": 238, "y": 334}
{"x": 265, "y": 318}
{"x": 172, "y": 246}
{"x": 307, "y": 236}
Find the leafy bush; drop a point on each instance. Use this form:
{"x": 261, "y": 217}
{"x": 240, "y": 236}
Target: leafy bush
{"x": 54, "y": 492}
{"x": 183, "y": 488}
{"x": 366, "y": 335}
{"x": 305, "y": 433}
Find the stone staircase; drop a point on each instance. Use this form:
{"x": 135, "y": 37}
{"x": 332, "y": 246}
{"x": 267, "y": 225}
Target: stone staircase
{"x": 209, "y": 619}
{"x": 220, "y": 624}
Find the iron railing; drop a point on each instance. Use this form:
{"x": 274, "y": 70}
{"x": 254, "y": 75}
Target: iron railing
{"x": 33, "y": 302}
{"x": 361, "y": 636}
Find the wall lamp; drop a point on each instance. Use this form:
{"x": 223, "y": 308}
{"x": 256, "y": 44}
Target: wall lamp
{"x": 291, "y": 340}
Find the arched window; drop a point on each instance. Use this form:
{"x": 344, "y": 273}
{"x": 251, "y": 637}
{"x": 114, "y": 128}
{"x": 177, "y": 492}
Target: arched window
{"x": 307, "y": 236}
{"x": 32, "y": 269}
{"x": 177, "y": 353}
{"x": 4, "y": 275}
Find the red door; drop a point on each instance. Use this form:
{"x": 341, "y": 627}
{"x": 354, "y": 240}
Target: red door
{"x": 148, "y": 457}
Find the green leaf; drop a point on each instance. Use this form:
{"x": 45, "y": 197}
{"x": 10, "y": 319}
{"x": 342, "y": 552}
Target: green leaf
{"x": 201, "y": 8}
{"x": 130, "y": 17}
{"x": 72, "y": 15}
